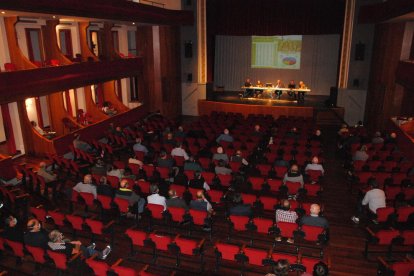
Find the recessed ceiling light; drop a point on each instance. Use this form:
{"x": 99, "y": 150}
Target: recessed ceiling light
{"x": 3, "y": 12}
{"x": 54, "y": 16}
{"x": 133, "y": 23}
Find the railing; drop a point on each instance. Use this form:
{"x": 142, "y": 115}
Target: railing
{"x": 153, "y": 3}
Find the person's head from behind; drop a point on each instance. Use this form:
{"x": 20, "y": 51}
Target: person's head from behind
{"x": 282, "y": 267}
{"x": 363, "y": 148}
{"x": 124, "y": 184}
{"x": 393, "y": 135}
{"x": 197, "y": 174}
{"x": 285, "y": 204}
{"x": 33, "y": 225}
{"x": 163, "y": 154}
{"x": 154, "y": 189}
{"x": 87, "y": 179}
{"x": 318, "y": 132}
{"x": 138, "y": 140}
{"x": 257, "y": 127}
{"x": 10, "y": 222}
{"x": 42, "y": 165}
{"x": 169, "y": 136}
{"x": 220, "y": 150}
{"x": 237, "y": 198}
{"x": 103, "y": 180}
{"x": 294, "y": 168}
{"x": 172, "y": 193}
{"x": 200, "y": 195}
{"x": 226, "y": 131}
{"x": 56, "y": 236}
{"x": 373, "y": 183}
{"x": 315, "y": 160}
{"x": 315, "y": 209}
{"x": 320, "y": 269}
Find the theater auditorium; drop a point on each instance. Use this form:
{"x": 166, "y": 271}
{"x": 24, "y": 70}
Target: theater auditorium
{"x": 210, "y": 137}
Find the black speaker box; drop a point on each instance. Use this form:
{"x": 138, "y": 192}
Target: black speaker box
{"x": 333, "y": 96}
{"x": 190, "y": 77}
{"x": 188, "y": 49}
{"x": 360, "y": 51}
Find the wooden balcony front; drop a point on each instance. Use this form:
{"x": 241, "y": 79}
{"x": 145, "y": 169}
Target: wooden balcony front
{"x": 405, "y": 73}
{"x": 121, "y": 10}
{"x": 18, "y": 85}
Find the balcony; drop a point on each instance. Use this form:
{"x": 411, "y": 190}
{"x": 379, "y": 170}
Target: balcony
{"x": 405, "y": 73}
{"x": 18, "y": 85}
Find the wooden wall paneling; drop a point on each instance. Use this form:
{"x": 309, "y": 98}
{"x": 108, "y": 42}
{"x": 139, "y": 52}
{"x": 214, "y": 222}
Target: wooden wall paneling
{"x": 170, "y": 70}
{"x": 34, "y": 143}
{"x": 57, "y": 113}
{"x": 144, "y": 40}
{"x": 206, "y": 107}
{"x": 98, "y": 129}
{"x": 83, "y": 39}
{"x": 110, "y": 96}
{"x": 91, "y": 108}
{"x": 16, "y": 55}
{"x": 386, "y": 54}
{"x": 50, "y": 44}
{"x": 108, "y": 46}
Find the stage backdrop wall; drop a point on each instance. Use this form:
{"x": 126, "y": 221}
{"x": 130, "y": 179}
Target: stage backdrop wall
{"x": 319, "y": 64}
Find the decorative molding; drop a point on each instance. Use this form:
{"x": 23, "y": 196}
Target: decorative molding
{"x": 346, "y": 43}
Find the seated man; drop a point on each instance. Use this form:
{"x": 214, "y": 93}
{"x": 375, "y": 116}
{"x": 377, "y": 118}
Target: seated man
{"x": 221, "y": 168}
{"x": 201, "y": 203}
{"x": 220, "y": 155}
{"x": 179, "y": 151}
{"x": 112, "y": 171}
{"x": 126, "y": 193}
{"x": 238, "y": 157}
{"x": 279, "y": 84}
{"x": 377, "y": 138}
{"x": 138, "y": 146}
{"x": 314, "y": 219}
{"x": 104, "y": 188}
{"x": 49, "y": 176}
{"x": 315, "y": 166}
{"x": 192, "y": 165}
{"x": 175, "y": 201}
{"x": 291, "y": 86}
{"x": 12, "y": 231}
{"x": 86, "y": 186}
{"x": 82, "y": 145}
{"x": 301, "y": 94}
{"x": 164, "y": 160}
{"x": 284, "y": 214}
{"x": 225, "y": 136}
{"x": 247, "y": 92}
{"x": 36, "y": 235}
{"x": 198, "y": 182}
{"x": 59, "y": 244}
{"x": 108, "y": 110}
{"x": 155, "y": 198}
{"x": 293, "y": 175}
{"x": 99, "y": 167}
{"x": 46, "y": 134}
{"x": 361, "y": 154}
{"x": 374, "y": 198}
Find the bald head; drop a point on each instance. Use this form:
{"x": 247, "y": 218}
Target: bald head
{"x": 200, "y": 194}
{"x": 124, "y": 183}
{"x": 315, "y": 209}
{"x": 172, "y": 193}
{"x": 33, "y": 225}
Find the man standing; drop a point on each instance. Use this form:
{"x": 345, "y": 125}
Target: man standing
{"x": 374, "y": 198}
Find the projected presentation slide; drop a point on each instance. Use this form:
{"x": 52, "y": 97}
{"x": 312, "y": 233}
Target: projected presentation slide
{"x": 276, "y": 52}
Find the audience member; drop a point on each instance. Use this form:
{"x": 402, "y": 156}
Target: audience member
{"x": 112, "y": 171}
{"x": 192, "y": 165}
{"x": 175, "y": 201}
{"x": 155, "y": 198}
{"x": 377, "y": 138}
{"x": 179, "y": 151}
{"x": 86, "y": 186}
{"x": 12, "y": 231}
{"x": 49, "y": 176}
{"x": 138, "y": 146}
{"x": 284, "y": 214}
{"x": 221, "y": 168}
{"x": 164, "y": 160}
{"x": 135, "y": 201}
{"x": 220, "y": 155}
{"x": 36, "y": 236}
{"x": 59, "y": 244}
{"x": 198, "y": 182}
{"x": 99, "y": 167}
{"x": 314, "y": 219}
{"x": 361, "y": 154}
{"x": 225, "y": 136}
{"x": 238, "y": 157}
{"x": 315, "y": 166}
{"x": 81, "y": 145}
{"x": 374, "y": 198}
{"x": 104, "y": 188}
{"x": 293, "y": 175}
{"x": 200, "y": 203}
{"x": 179, "y": 133}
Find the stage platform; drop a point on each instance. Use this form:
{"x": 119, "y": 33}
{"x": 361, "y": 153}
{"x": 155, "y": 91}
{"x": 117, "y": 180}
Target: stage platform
{"x": 230, "y": 101}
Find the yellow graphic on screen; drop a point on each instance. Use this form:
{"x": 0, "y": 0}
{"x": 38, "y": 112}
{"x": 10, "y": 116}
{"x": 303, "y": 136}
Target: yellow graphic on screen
{"x": 276, "y": 52}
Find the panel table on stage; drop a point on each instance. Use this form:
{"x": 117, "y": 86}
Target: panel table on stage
{"x": 268, "y": 92}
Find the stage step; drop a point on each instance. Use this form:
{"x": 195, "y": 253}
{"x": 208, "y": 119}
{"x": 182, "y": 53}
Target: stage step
{"x": 329, "y": 116}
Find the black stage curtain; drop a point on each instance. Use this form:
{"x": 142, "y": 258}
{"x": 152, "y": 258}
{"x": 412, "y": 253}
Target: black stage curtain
{"x": 270, "y": 17}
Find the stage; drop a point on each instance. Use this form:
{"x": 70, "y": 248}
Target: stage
{"x": 230, "y": 101}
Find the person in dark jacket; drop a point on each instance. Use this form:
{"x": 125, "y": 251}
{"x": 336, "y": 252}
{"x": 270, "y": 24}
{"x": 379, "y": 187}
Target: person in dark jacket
{"x": 126, "y": 193}
{"x": 36, "y": 236}
{"x": 12, "y": 231}
{"x": 175, "y": 201}
{"x": 238, "y": 208}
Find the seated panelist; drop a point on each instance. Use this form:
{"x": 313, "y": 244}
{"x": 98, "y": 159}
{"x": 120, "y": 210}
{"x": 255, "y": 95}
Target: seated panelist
{"x": 247, "y": 91}
{"x": 279, "y": 84}
{"x": 301, "y": 94}
{"x": 291, "y": 85}
{"x": 247, "y": 83}
{"x": 258, "y": 91}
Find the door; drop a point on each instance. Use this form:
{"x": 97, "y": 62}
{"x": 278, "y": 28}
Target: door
{"x": 34, "y": 45}
{"x": 65, "y": 41}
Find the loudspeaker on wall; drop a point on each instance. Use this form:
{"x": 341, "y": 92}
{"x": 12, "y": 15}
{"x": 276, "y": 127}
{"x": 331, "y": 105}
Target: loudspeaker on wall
{"x": 360, "y": 51}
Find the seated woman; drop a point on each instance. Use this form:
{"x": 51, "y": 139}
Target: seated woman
{"x": 60, "y": 244}
{"x": 46, "y": 134}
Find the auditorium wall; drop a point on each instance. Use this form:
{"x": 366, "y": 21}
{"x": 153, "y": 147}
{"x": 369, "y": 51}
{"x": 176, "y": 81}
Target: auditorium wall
{"x": 319, "y": 63}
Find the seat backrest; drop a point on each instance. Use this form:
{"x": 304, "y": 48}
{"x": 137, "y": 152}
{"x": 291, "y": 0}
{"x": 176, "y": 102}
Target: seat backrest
{"x": 384, "y": 213}
{"x": 105, "y": 201}
{"x": 256, "y": 182}
{"x": 122, "y": 203}
{"x": 95, "y": 225}
{"x": 268, "y": 202}
{"x": 263, "y": 224}
{"x": 99, "y": 268}
{"x": 156, "y": 210}
{"x": 274, "y": 184}
{"x": 287, "y": 228}
{"x": 314, "y": 174}
{"x": 17, "y": 248}
{"x": 113, "y": 181}
{"x": 58, "y": 217}
{"x": 88, "y": 198}
{"x": 239, "y": 222}
{"x": 312, "y": 232}
{"x": 198, "y": 216}
{"x": 39, "y": 213}
{"x": 186, "y": 246}
{"x": 37, "y": 253}
{"x": 161, "y": 241}
{"x": 293, "y": 187}
{"x": 309, "y": 263}
{"x": 75, "y": 221}
{"x": 256, "y": 256}
{"x": 137, "y": 236}
{"x": 386, "y": 237}
{"x": 292, "y": 259}
{"x": 228, "y": 251}
{"x": 177, "y": 213}
{"x": 402, "y": 268}
{"x": 144, "y": 186}
{"x": 59, "y": 259}
{"x": 248, "y": 198}
{"x": 127, "y": 271}
{"x": 408, "y": 236}
{"x": 208, "y": 177}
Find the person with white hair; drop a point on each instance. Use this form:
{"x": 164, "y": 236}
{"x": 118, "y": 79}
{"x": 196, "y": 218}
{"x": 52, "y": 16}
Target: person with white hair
{"x": 45, "y": 173}
{"x": 225, "y": 136}
{"x": 377, "y": 138}
{"x": 179, "y": 151}
{"x": 315, "y": 166}
{"x": 155, "y": 198}
{"x": 86, "y": 186}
